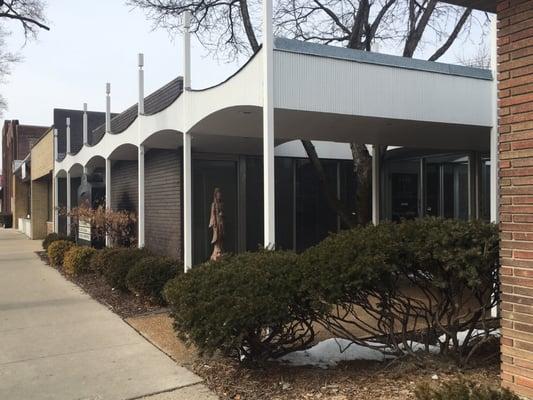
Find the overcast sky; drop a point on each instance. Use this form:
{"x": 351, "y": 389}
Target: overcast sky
{"x": 90, "y": 43}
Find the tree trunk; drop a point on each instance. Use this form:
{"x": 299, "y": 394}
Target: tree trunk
{"x": 331, "y": 196}
{"x": 362, "y": 168}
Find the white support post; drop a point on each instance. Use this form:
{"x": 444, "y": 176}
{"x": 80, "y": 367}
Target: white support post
{"x": 85, "y": 126}
{"x": 187, "y": 150}
{"x": 69, "y": 203}
{"x": 140, "y": 218}
{"x": 494, "y": 164}
{"x": 56, "y": 187}
{"x": 187, "y": 50}
{"x": 56, "y": 145}
{"x": 107, "y": 193}
{"x": 268, "y": 127}
{"x": 69, "y": 149}
{"x": 376, "y": 183}
{"x": 108, "y": 108}
{"x": 141, "y": 83}
{"x": 56, "y": 204}
{"x": 187, "y": 202}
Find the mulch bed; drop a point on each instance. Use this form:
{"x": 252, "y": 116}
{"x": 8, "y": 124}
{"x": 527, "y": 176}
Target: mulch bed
{"x": 124, "y": 304}
{"x": 353, "y": 380}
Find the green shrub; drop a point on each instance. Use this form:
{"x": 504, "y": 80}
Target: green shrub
{"x": 249, "y": 306}
{"x": 102, "y": 259}
{"x": 149, "y": 275}
{"x": 53, "y": 237}
{"x": 77, "y": 260}
{"x": 57, "y": 251}
{"x": 462, "y": 390}
{"x": 438, "y": 275}
{"x": 120, "y": 262}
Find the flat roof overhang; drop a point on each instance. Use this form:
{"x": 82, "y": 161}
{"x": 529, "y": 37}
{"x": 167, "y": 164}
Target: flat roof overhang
{"x": 482, "y": 5}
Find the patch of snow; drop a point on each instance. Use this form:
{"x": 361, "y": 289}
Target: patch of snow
{"x": 461, "y": 336}
{"x": 330, "y": 352}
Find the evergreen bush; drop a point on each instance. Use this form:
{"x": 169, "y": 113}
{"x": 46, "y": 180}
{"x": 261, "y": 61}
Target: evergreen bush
{"x": 149, "y": 275}
{"x": 120, "y": 262}
{"x": 429, "y": 281}
{"x": 249, "y": 306}
{"x": 78, "y": 260}
{"x": 57, "y": 251}
{"x": 102, "y": 259}
{"x": 52, "y": 237}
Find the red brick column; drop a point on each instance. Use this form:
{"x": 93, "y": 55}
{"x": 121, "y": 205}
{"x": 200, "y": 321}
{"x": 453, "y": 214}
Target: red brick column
{"x": 515, "y": 92}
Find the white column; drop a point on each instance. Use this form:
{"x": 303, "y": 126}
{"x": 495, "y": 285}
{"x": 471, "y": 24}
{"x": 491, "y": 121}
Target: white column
{"x": 140, "y": 216}
{"x": 268, "y": 127}
{"x": 141, "y": 83}
{"x": 187, "y": 202}
{"x": 56, "y": 204}
{"x": 69, "y": 149}
{"x": 494, "y": 182}
{"x": 187, "y": 151}
{"x": 85, "y": 126}
{"x": 108, "y": 108}
{"x": 69, "y": 202}
{"x": 107, "y": 193}
{"x": 376, "y": 183}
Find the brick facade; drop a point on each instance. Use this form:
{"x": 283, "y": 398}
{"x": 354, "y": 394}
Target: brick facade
{"x": 17, "y": 141}
{"x": 515, "y": 92}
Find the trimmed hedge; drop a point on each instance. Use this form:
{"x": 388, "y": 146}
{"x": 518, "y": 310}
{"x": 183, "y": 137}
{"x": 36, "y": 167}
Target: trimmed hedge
{"x": 439, "y": 274}
{"x": 57, "y": 251}
{"x": 149, "y": 275}
{"x": 120, "y": 262}
{"x": 77, "y": 260}
{"x": 398, "y": 287}
{"x": 53, "y": 237}
{"x": 102, "y": 259}
{"x": 249, "y": 306}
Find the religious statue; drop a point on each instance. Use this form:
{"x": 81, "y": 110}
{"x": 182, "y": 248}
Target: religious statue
{"x": 216, "y": 222}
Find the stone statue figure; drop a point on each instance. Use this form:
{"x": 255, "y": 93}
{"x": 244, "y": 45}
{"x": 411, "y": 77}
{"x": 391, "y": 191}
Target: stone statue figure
{"x": 216, "y": 222}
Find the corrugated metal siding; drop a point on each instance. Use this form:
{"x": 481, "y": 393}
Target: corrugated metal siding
{"x": 311, "y": 83}
{"x": 163, "y": 217}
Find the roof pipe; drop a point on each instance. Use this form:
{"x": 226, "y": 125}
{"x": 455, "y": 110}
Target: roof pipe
{"x": 187, "y": 50}
{"x": 69, "y": 149}
{"x": 141, "y": 83}
{"x": 108, "y": 108}
{"x": 85, "y": 126}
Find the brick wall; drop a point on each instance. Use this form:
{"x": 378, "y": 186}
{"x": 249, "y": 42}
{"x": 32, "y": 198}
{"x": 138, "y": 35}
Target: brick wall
{"x": 515, "y": 58}
{"x": 163, "y": 202}
{"x": 40, "y": 207}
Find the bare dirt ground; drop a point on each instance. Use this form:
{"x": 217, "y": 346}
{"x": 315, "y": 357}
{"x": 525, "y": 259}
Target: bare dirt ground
{"x": 354, "y": 380}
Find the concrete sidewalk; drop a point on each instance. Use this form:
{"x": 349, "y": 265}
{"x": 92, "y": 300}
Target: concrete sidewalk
{"x": 58, "y": 343}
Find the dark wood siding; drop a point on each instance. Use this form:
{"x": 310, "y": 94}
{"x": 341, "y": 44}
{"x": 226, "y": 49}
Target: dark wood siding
{"x": 124, "y": 186}
{"x": 163, "y": 217}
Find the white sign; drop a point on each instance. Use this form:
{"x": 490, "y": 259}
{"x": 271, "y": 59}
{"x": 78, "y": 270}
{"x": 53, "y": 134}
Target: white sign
{"x": 84, "y": 231}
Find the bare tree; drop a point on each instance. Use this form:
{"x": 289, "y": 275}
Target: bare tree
{"x": 29, "y": 14}
{"x": 231, "y": 27}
